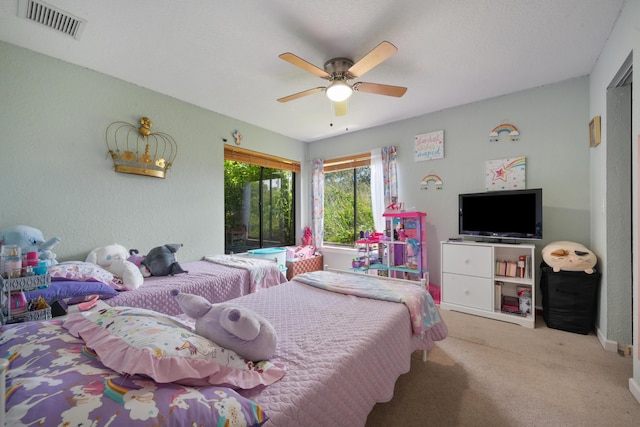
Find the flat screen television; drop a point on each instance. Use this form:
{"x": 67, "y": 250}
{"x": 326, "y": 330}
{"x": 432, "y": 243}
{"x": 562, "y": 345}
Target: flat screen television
{"x": 511, "y": 214}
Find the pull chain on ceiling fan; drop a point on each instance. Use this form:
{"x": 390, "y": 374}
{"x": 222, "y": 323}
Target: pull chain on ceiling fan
{"x": 340, "y": 70}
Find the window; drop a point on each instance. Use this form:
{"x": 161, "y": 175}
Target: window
{"x": 259, "y": 194}
{"x": 347, "y": 199}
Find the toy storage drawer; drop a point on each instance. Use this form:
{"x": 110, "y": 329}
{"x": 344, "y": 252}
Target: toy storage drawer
{"x": 468, "y": 291}
{"x": 467, "y": 259}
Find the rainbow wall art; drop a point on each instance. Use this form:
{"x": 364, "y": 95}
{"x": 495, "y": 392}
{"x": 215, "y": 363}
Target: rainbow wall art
{"x": 514, "y": 135}
{"x": 431, "y": 179}
{"x": 506, "y": 174}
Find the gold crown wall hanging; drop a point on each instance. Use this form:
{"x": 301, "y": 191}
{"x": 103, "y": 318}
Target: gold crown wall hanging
{"x": 139, "y": 151}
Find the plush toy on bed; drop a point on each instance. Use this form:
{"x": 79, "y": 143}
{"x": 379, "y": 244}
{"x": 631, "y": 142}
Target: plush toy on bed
{"x": 569, "y": 256}
{"x": 136, "y": 258}
{"x": 231, "y": 326}
{"x": 114, "y": 259}
{"x": 30, "y": 239}
{"x": 161, "y": 261}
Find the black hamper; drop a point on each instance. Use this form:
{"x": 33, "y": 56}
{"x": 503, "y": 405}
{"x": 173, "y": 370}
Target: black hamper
{"x": 569, "y": 299}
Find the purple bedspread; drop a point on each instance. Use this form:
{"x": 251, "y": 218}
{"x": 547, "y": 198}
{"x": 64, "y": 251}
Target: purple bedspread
{"x": 54, "y": 380}
{"x": 215, "y": 282}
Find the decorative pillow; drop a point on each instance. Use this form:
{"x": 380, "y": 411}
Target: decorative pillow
{"x": 42, "y": 354}
{"x": 85, "y": 272}
{"x": 63, "y": 289}
{"x": 139, "y": 341}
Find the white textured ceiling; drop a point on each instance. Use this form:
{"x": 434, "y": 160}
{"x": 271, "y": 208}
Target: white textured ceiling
{"x": 223, "y": 55}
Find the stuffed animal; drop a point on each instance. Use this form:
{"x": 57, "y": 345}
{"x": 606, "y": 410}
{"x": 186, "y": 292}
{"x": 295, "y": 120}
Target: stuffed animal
{"x": 161, "y": 261}
{"x": 307, "y": 237}
{"x": 30, "y": 239}
{"x": 136, "y": 258}
{"x": 231, "y": 326}
{"x": 114, "y": 259}
{"x": 569, "y": 256}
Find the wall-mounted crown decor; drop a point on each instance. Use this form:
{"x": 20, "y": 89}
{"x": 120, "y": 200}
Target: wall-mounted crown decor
{"x": 139, "y": 151}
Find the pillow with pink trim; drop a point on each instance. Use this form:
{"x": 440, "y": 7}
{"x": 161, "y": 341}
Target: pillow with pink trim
{"x": 136, "y": 341}
{"x": 81, "y": 271}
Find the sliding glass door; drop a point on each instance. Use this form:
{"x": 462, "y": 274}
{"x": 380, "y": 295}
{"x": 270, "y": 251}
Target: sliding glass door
{"x": 259, "y": 207}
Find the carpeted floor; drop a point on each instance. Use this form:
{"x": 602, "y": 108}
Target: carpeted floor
{"x": 492, "y": 373}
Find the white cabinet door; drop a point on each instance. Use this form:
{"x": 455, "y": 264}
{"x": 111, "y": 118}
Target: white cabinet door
{"x": 470, "y": 260}
{"x": 468, "y": 291}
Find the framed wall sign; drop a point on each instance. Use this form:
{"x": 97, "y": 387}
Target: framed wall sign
{"x": 430, "y": 146}
{"x": 594, "y": 132}
{"x": 506, "y": 174}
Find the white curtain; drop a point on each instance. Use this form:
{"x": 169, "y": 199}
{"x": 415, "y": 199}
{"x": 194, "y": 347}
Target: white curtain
{"x": 377, "y": 189}
{"x": 317, "y": 206}
{"x": 384, "y": 183}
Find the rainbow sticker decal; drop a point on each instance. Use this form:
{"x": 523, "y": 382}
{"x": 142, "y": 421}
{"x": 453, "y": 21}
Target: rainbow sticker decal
{"x": 431, "y": 178}
{"x": 514, "y": 135}
{"x": 505, "y": 174}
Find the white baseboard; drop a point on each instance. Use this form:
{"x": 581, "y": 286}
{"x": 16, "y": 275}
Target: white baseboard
{"x": 634, "y": 388}
{"x": 605, "y": 343}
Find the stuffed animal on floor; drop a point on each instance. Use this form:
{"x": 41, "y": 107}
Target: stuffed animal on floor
{"x": 114, "y": 259}
{"x": 161, "y": 261}
{"x": 569, "y": 256}
{"x": 231, "y": 326}
{"x": 30, "y": 239}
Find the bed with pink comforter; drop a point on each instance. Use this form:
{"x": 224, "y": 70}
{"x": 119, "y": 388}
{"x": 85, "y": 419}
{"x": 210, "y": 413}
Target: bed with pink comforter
{"x": 217, "y": 281}
{"x": 342, "y": 354}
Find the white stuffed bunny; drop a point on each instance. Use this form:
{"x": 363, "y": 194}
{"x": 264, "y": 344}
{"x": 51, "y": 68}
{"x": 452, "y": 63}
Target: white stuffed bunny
{"x": 114, "y": 259}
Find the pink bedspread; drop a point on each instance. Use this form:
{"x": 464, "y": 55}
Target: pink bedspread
{"x": 425, "y": 318}
{"x": 343, "y": 354}
{"x": 262, "y": 272}
{"x": 215, "y": 282}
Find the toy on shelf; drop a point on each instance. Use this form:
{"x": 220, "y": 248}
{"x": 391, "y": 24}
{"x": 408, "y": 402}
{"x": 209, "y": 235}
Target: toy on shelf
{"x": 395, "y": 206}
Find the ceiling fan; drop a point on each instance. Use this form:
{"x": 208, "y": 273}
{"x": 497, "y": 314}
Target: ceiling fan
{"x": 340, "y": 70}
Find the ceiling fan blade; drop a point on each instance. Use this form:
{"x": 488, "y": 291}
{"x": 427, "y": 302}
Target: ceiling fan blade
{"x": 377, "y": 55}
{"x": 340, "y": 108}
{"x": 307, "y": 66}
{"x": 380, "y": 89}
{"x": 301, "y": 94}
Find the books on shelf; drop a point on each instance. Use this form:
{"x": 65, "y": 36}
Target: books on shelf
{"x": 509, "y": 268}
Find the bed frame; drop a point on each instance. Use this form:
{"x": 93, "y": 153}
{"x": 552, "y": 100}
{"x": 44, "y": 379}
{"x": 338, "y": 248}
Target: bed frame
{"x": 4, "y": 365}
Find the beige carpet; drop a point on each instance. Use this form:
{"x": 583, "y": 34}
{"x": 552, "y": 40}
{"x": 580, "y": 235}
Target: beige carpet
{"x": 492, "y": 373}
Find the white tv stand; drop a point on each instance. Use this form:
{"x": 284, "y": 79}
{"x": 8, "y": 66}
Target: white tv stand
{"x": 470, "y": 282}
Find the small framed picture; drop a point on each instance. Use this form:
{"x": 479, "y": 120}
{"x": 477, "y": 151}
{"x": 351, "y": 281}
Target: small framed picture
{"x": 594, "y": 131}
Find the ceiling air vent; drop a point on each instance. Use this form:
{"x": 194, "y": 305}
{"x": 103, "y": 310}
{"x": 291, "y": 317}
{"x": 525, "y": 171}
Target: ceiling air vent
{"x": 52, "y": 17}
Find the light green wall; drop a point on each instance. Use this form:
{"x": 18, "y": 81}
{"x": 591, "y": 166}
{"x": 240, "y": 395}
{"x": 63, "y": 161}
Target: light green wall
{"x": 552, "y": 121}
{"x": 55, "y": 174}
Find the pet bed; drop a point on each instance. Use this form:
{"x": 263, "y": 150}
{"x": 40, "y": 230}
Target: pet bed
{"x": 343, "y": 349}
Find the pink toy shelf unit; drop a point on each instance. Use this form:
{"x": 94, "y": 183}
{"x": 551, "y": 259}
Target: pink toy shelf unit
{"x": 407, "y": 246}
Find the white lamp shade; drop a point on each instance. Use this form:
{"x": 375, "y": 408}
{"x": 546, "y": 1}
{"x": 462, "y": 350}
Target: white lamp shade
{"x": 338, "y": 91}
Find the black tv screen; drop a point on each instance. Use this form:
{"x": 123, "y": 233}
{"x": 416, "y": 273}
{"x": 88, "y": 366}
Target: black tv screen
{"x": 512, "y": 214}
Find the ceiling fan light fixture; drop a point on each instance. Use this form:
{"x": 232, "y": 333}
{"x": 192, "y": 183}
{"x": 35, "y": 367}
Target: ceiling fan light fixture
{"x": 339, "y": 91}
